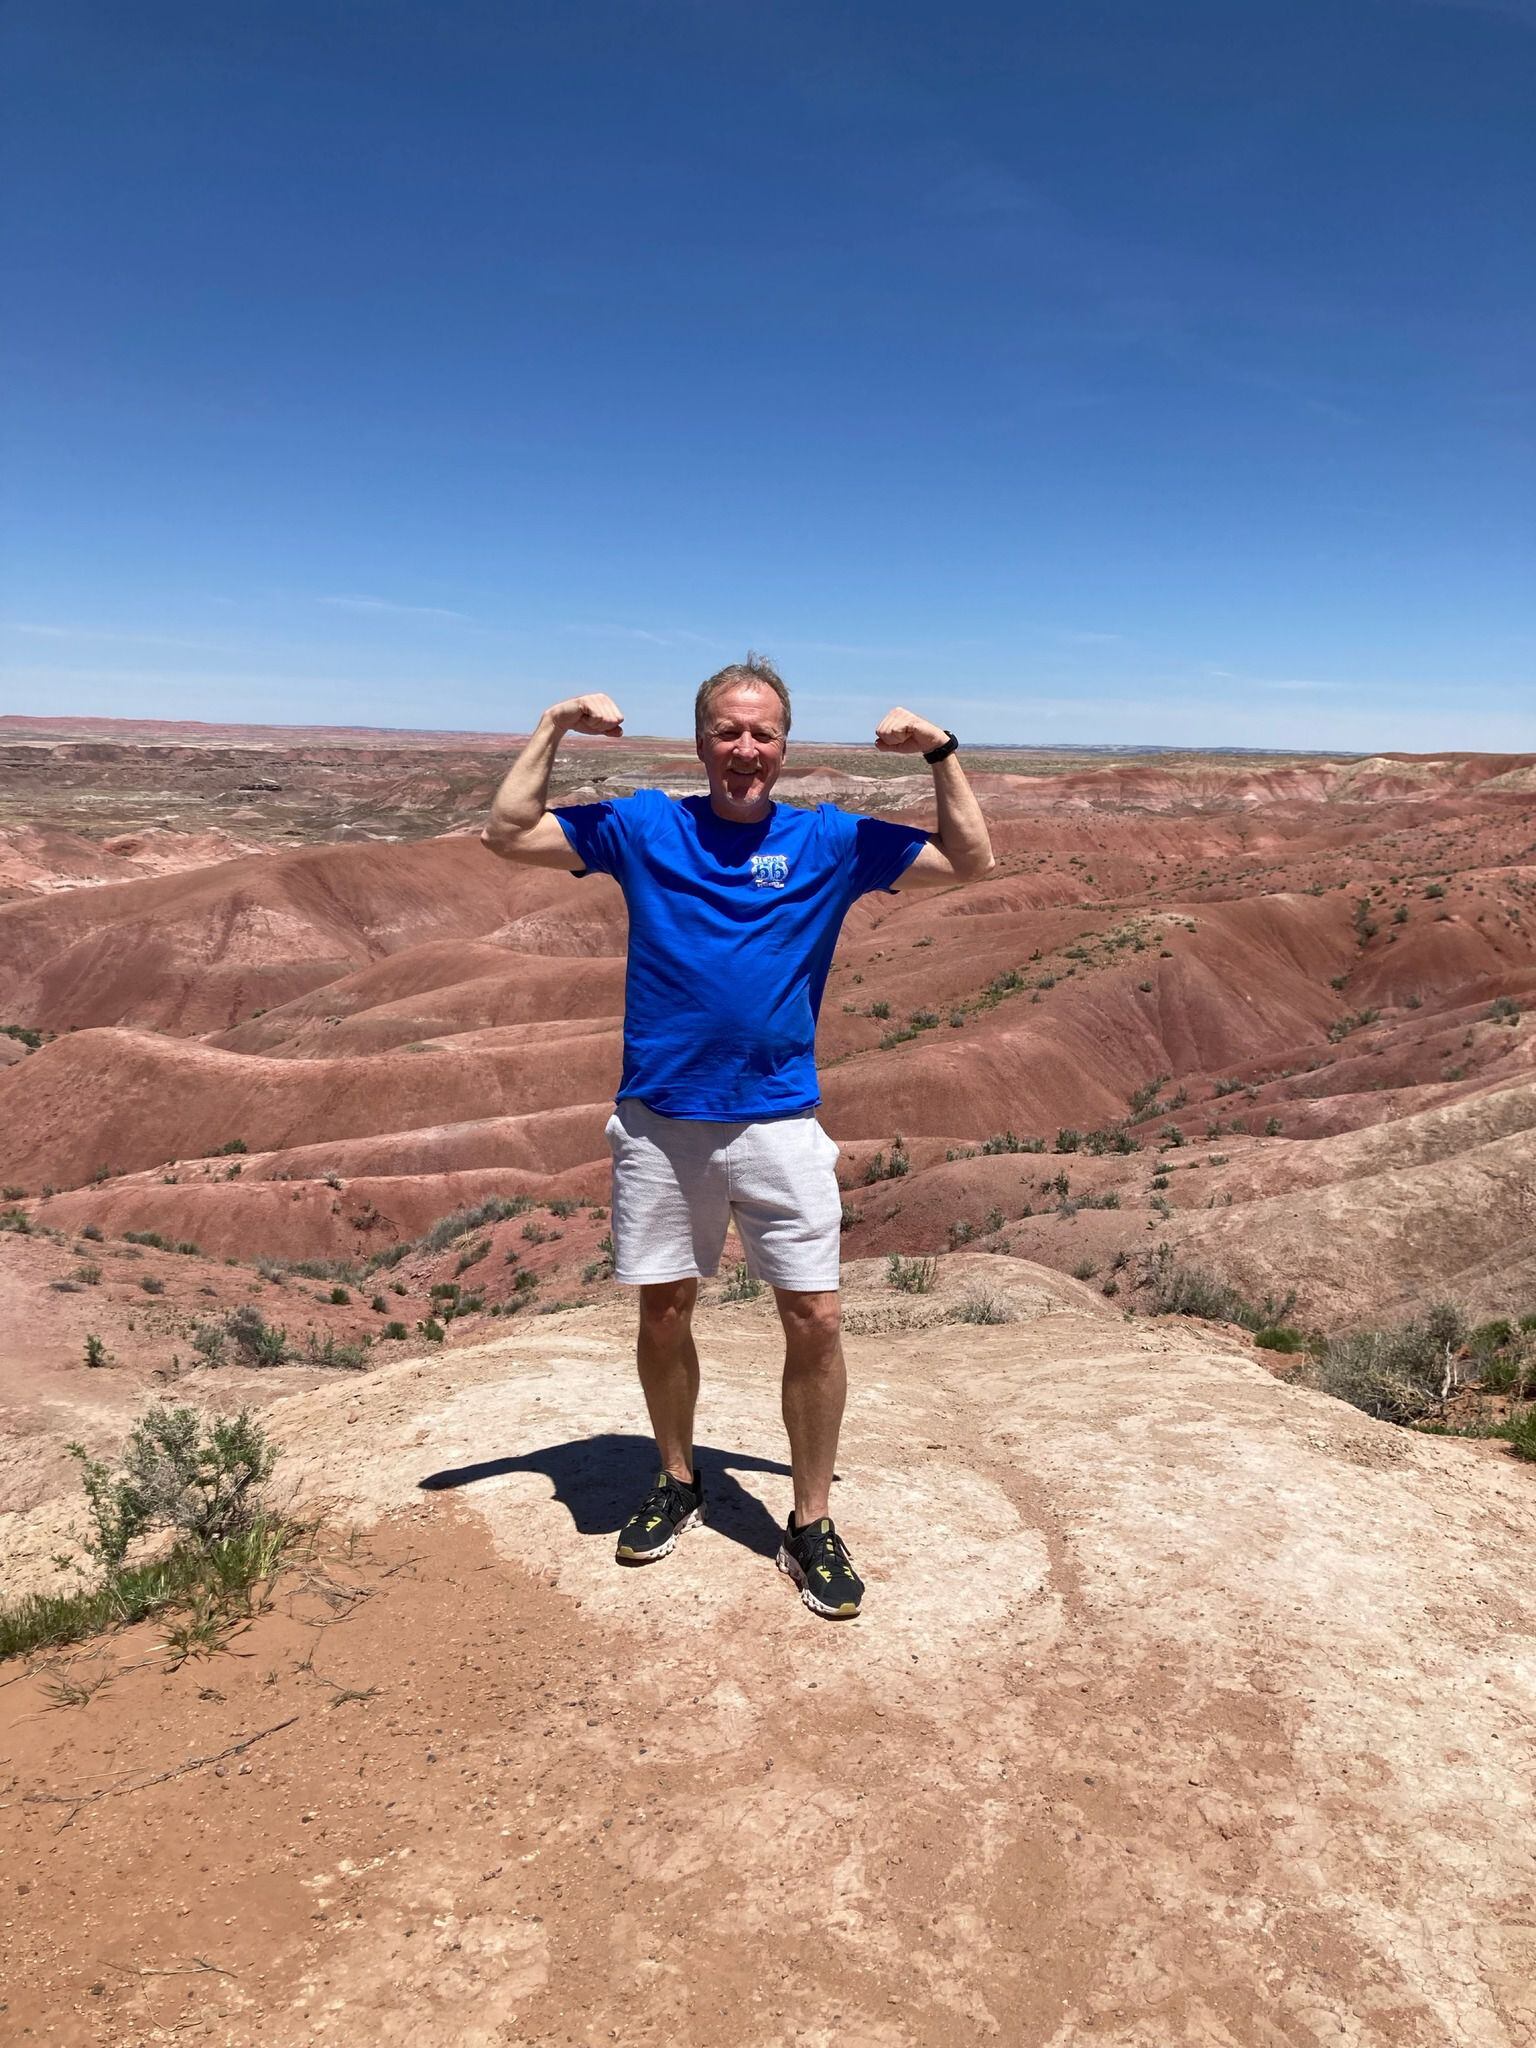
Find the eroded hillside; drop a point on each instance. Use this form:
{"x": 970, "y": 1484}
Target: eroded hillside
{"x": 1183, "y": 1009}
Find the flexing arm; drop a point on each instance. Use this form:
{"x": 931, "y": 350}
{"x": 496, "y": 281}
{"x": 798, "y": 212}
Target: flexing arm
{"x": 520, "y": 826}
{"x": 960, "y": 851}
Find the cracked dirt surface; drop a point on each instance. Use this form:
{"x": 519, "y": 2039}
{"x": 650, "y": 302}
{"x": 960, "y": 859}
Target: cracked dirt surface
{"x": 1186, "y": 1708}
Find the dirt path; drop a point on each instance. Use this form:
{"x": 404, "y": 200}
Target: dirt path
{"x": 1186, "y": 1709}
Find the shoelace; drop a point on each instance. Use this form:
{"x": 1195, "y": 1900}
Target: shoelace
{"x": 831, "y": 1549}
{"x": 658, "y": 1502}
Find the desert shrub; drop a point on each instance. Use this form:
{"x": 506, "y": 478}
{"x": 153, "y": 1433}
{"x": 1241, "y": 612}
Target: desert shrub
{"x": 741, "y": 1286}
{"x": 960, "y": 1232}
{"x": 346, "y": 1270}
{"x": 533, "y": 1232}
{"x": 17, "y": 1220}
{"x": 1143, "y": 1100}
{"x": 993, "y": 1220}
{"x": 1112, "y": 1138}
{"x": 96, "y": 1352}
{"x": 1005, "y": 1141}
{"x": 447, "y": 1228}
{"x": 1397, "y": 1375}
{"x": 524, "y": 1282}
{"x": 92, "y": 1233}
{"x": 1085, "y": 1269}
{"x": 211, "y": 1342}
{"x": 1225, "y": 1087}
{"x": 1068, "y": 1139}
{"x": 150, "y": 1284}
{"x": 1519, "y": 1432}
{"x": 339, "y": 1297}
{"x": 880, "y": 1010}
{"x": 150, "y": 1237}
{"x": 1179, "y": 1290}
{"x": 431, "y": 1329}
{"x": 911, "y": 1276}
{"x": 1490, "y": 1337}
{"x": 330, "y": 1350}
{"x": 923, "y": 1020}
{"x": 1279, "y": 1337}
{"x": 200, "y": 1483}
{"x": 892, "y": 1168}
{"x": 231, "y": 1145}
{"x": 1273, "y": 1127}
{"x": 177, "y": 1472}
{"x": 1435, "y": 891}
{"x": 1353, "y": 1020}
{"x": 563, "y": 1207}
{"x": 850, "y": 1216}
{"x": 1173, "y": 1137}
{"x": 66, "y": 1287}
{"x": 395, "y": 1331}
{"x": 380, "y": 1305}
{"x": 957, "y": 1020}
{"x": 985, "y": 1305}
{"x": 473, "y": 1254}
{"x": 1504, "y": 1010}
{"x": 258, "y": 1341}
{"x": 444, "y": 1290}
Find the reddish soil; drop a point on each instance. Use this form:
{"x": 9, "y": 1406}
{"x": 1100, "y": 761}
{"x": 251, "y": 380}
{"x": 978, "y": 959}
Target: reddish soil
{"x": 1186, "y": 1708}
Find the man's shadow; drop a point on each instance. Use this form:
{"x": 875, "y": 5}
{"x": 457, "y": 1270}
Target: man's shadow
{"x": 601, "y": 1480}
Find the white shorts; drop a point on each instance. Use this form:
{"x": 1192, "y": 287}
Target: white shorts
{"x": 677, "y": 1184}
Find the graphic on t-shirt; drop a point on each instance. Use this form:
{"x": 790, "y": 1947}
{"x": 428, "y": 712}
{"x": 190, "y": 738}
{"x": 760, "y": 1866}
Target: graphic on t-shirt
{"x": 770, "y": 870}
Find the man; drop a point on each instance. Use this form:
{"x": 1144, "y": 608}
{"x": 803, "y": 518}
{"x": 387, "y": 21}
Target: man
{"x": 735, "y": 903}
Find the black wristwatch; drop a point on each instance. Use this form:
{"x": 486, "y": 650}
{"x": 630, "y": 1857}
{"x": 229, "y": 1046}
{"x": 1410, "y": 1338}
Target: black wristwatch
{"x": 943, "y": 753}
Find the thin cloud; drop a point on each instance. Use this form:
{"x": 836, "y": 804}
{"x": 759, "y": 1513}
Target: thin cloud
{"x": 38, "y": 632}
{"x": 1073, "y": 638}
{"x": 384, "y": 604}
{"x": 675, "y": 636}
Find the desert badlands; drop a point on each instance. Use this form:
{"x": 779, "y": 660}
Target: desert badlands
{"x": 1215, "y": 1727}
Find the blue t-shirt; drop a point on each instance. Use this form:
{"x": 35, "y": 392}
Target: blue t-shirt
{"x": 731, "y": 932}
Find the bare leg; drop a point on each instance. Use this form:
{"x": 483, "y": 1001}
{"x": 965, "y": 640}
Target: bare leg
{"x": 815, "y": 1388}
{"x": 669, "y": 1370}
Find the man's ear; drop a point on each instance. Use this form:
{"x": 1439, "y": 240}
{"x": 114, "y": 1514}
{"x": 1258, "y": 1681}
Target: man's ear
{"x": 698, "y": 744}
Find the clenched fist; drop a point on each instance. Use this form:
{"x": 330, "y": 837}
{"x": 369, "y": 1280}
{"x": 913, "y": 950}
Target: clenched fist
{"x": 593, "y": 713}
{"x": 903, "y": 732}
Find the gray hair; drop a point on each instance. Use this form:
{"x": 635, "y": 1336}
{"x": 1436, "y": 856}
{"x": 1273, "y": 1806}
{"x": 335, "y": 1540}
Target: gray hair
{"x": 758, "y": 669}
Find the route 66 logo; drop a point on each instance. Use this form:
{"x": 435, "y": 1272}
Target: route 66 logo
{"x": 770, "y": 870}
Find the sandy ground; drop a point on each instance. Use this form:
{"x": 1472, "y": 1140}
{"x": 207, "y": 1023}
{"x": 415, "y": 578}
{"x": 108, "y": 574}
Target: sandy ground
{"x": 1186, "y": 1708}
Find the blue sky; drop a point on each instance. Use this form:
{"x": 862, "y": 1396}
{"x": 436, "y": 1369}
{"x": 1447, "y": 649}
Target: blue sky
{"x": 1144, "y": 371}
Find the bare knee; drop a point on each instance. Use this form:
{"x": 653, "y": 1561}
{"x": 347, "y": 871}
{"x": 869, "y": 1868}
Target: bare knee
{"x": 811, "y": 1320}
{"x": 666, "y": 1310}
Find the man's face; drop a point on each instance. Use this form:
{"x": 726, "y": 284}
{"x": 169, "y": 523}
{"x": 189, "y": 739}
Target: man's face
{"x": 742, "y": 748}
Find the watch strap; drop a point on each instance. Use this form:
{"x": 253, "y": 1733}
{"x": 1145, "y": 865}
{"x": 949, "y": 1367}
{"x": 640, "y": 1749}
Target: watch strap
{"x": 942, "y": 753}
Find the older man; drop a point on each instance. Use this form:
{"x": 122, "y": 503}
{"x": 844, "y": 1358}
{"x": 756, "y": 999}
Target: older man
{"x": 735, "y": 903}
